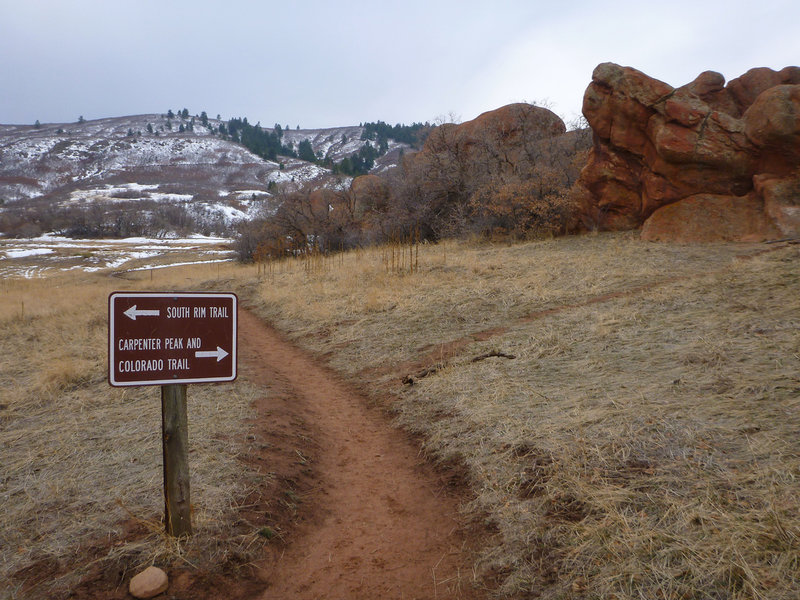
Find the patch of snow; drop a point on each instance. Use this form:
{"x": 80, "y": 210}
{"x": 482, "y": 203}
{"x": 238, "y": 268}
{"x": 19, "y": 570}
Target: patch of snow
{"x": 22, "y": 253}
{"x": 81, "y": 242}
{"x": 139, "y": 187}
{"x": 96, "y": 255}
{"x": 243, "y": 195}
{"x": 180, "y": 264}
{"x": 165, "y": 197}
{"x": 118, "y": 262}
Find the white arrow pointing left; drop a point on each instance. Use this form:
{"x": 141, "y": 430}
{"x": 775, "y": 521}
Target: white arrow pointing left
{"x": 219, "y": 354}
{"x": 132, "y": 313}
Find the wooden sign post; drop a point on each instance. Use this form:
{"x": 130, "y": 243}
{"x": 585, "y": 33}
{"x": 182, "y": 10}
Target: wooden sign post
{"x": 172, "y": 339}
{"x": 175, "y": 444}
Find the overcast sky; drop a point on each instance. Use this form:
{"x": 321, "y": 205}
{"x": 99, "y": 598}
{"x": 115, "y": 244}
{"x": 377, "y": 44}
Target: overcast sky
{"x": 331, "y": 63}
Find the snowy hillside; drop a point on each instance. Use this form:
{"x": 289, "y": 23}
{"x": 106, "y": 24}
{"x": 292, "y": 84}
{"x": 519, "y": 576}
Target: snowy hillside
{"x": 335, "y": 143}
{"x": 144, "y": 163}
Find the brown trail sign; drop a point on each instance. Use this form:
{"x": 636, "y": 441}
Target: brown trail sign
{"x": 158, "y": 338}
{"x": 172, "y": 339}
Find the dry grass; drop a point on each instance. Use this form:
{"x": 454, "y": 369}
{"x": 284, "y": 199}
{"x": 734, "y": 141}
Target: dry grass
{"x": 81, "y": 462}
{"x": 459, "y": 290}
{"x": 644, "y": 441}
{"x": 642, "y": 444}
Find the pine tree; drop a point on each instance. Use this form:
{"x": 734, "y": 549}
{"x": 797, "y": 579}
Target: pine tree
{"x": 306, "y": 152}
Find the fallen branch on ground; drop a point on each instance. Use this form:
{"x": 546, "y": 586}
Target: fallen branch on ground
{"x": 493, "y": 354}
{"x": 411, "y": 379}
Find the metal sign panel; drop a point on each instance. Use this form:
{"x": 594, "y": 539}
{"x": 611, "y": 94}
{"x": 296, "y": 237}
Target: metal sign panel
{"x": 157, "y": 338}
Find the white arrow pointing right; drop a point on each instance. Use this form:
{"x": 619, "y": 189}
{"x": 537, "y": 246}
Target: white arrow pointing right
{"x": 219, "y": 354}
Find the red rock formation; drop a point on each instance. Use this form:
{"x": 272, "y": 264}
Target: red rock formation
{"x": 724, "y": 153}
{"x": 464, "y": 168}
{"x": 711, "y": 218}
{"x": 501, "y": 142}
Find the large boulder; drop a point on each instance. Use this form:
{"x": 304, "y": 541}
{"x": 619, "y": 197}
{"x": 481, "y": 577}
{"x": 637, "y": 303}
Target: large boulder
{"x": 717, "y": 146}
{"x": 500, "y": 142}
{"x": 464, "y": 169}
{"x": 746, "y": 89}
{"x": 772, "y": 123}
{"x": 781, "y": 201}
{"x": 512, "y": 128}
{"x": 711, "y": 218}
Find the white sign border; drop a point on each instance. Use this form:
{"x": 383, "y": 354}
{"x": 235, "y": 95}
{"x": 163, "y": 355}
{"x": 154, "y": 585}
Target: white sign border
{"x": 234, "y": 351}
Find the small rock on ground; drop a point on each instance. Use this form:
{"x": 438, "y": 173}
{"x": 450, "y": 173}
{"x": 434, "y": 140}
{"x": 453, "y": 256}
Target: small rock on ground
{"x": 149, "y": 583}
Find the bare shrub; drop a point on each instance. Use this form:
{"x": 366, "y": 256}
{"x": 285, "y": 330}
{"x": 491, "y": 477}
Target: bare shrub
{"x": 522, "y": 210}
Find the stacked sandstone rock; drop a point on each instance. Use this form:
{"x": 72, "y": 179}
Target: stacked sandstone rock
{"x": 700, "y": 162}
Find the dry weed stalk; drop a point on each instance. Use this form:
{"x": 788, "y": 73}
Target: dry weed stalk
{"x": 401, "y": 254}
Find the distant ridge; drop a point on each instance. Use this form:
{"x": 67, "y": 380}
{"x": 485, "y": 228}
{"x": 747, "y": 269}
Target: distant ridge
{"x": 159, "y": 172}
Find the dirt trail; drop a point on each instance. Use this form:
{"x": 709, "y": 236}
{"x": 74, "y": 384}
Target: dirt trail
{"x": 380, "y": 523}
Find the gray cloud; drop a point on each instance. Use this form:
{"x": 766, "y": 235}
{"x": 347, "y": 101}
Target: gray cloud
{"x": 325, "y": 64}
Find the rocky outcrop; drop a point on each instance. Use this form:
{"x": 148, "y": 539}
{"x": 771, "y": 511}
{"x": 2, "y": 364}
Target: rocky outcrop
{"x": 506, "y": 172}
{"x": 711, "y": 218}
{"x": 728, "y": 155}
{"x": 506, "y": 142}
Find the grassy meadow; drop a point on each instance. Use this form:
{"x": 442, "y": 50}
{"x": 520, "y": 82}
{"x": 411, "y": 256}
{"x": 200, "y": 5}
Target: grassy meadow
{"x": 81, "y": 482}
{"x": 643, "y": 441}
{"x": 625, "y": 414}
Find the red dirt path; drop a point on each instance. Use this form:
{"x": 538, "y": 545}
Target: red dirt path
{"x": 380, "y": 522}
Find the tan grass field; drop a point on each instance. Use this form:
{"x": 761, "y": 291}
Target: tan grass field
{"x": 80, "y": 462}
{"x": 644, "y": 441}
